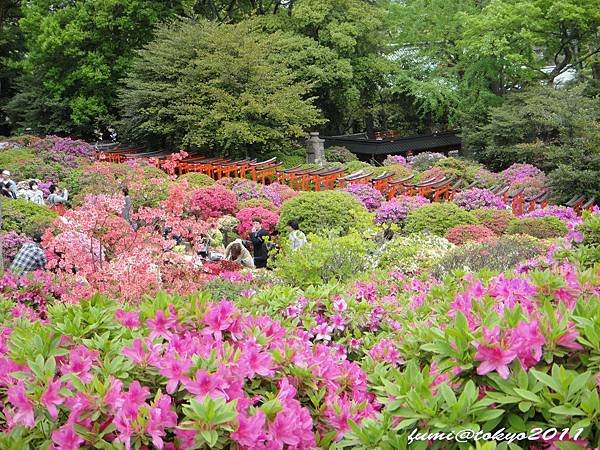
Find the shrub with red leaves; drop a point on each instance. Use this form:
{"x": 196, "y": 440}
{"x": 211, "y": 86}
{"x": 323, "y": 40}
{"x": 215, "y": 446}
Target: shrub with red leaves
{"x": 496, "y": 220}
{"x": 461, "y": 234}
{"x": 218, "y": 267}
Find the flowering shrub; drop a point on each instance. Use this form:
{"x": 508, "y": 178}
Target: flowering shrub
{"x": 462, "y": 234}
{"x": 476, "y": 198}
{"x": 564, "y": 213}
{"x": 11, "y": 243}
{"x": 414, "y": 253}
{"x": 395, "y": 159}
{"x": 247, "y": 190}
{"x": 196, "y": 180}
{"x": 520, "y": 172}
{"x": 425, "y": 160}
{"x": 397, "y": 209}
{"x": 496, "y": 220}
{"x": 370, "y": 197}
{"x": 258, "y": 203}
{"x": 486, "y": 178}
{"x": 339, "y": 154}
{"x": 540, "y": 227}
{"x": 31, "y": 293}
{"x": 173, "y": 378}
{"x": 245, "y": 215}
{"x": 438, "y": 218}
{"x": 278, "y": 193}
{"x": 213, "y": 201}
{"x": 502, "y": 253}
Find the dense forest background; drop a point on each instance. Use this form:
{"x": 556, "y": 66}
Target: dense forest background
{"x": 519, "y": 79}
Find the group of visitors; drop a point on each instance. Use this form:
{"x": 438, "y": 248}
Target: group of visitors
{"x": 31, "y": 257}
{"x": 238, "y": 249}
{"x": 33, "y": 193}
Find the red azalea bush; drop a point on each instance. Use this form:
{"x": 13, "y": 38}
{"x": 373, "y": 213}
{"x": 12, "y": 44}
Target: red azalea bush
{"x": 245, "y": 215}
{"x": 213, "y": 201}
{"x": 462, "y": 234}
{"x": 496, "y": 220}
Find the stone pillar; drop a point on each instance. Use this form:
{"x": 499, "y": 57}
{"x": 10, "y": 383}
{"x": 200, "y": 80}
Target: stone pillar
{"x": 315, "y": 149}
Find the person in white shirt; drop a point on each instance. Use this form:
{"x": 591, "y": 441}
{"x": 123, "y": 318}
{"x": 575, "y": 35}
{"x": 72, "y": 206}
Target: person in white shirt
{"x": 8, "y": 187}
{"x": 34, "y": 194}
{"x": 297, "y": 237}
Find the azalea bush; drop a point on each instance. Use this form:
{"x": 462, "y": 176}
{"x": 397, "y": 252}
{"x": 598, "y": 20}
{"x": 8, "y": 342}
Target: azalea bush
{"x": 11, "y": 243}
{"x": 269, "y": 220}
{"x": 213, "y": 201}
{"x": 438, "y": 218}
{"x": 425, "y": 160}
{"x": 370, "y": 197}
{"x": 165, "y": 374}
{"x": 247, "y": 190}
{"x": 496, "y": 220}
{"x": 502, "y": 253}
{"x": 540, "y": 227}
{"x": 25, "y": 217}
{"x": 397, "y": 209}
{"x": 196, "y": 180}
{"x": 339, "y": 154}
{"x": 323, "y": 259}
{"x": 476, "y": 198}
{"x": 414, "y": 253}
{"x": 278, "y": 193}
{"x": 391, "y": 160}
{"x": 462, "y": 234}
{"x": 322, "y": 212}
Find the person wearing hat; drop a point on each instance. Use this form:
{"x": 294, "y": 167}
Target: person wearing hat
{"x": 8, "y": 187}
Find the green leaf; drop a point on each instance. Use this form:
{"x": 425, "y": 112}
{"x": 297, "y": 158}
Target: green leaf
{"x": 566, "y": 411}
{"x": 528, "y": 395}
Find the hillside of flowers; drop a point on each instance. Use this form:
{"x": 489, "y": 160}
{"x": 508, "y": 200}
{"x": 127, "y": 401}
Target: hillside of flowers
{"x": 397, "y": 315}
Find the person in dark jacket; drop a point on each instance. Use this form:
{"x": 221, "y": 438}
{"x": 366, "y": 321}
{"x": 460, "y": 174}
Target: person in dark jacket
{"x": 257, "y": 235}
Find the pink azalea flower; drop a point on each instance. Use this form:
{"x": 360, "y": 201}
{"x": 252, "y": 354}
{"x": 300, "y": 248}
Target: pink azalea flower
{"x": 219, "y": 317}
{"x": 136, "y": 352}
{"x": 161, "y": 324}
{"x": 250, "y": 429}
{"x": 161, "y": 416}
{"x": 51, "y": 398}
{"x": 66, "y": 438}
{"x": 80, "y": 363}
{"x": 494, "y": 358}
{"x": 528, "y": 340}
{"x": 128, "y": 319}
{"x": 24, "y": 408}
{"x": 256, "y": 361}
{"x": 175, "y": 370}
{"x": 569, "y": 339}
{"x": 203, "y": 384}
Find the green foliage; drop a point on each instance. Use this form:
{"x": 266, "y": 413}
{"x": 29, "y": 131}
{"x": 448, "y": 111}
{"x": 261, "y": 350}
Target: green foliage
{"x": 413, "y": 253}
{"x": 437, "y": 218}
{"x": 322, "y": 212}
{"x": 503, "y": 253}
{"x": 496, "y": 220}
{"x": 324, "y": 259}
{"x": 590, "y": 228}
{"x": 201, "y": 84}
{"x": 196, "y": 180}
{"x": 75, "y": 58}
{"x": 25, "y": 217}
{"x": 539, "y": 227}
{"x": 339, "y": 154}
{"x": 15, "y": 160}
{"x": 459, "y": 167}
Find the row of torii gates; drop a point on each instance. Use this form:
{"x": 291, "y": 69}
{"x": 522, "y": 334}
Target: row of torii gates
{"x": 442, "y": 188}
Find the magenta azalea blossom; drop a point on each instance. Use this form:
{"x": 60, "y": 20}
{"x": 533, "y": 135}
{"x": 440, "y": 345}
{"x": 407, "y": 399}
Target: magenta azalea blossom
{"x": 494, "y": 359}
{"x": 66, "y": 438}
{"x": 51, "y": 398}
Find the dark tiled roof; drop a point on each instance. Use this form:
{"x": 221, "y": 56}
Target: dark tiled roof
{"x": 358, "y": 143}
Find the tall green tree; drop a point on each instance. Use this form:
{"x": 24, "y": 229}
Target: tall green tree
{"x": 11, "y": 49}
{"x": 76, "y": 54}
{"x": 216, "y": 87}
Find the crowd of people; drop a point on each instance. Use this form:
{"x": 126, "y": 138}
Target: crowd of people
{"x": 252, "y": 253}
{"x": 31, "y": 191}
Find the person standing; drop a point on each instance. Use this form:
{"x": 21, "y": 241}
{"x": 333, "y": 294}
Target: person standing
{"x": 30, "y": 257}
{"x": 296, "y": 236}
{"x": 35, "y": 194}
{"x": 8, "y": 187}
{"x": 257, "y": 236}
{"x": 126, "y": 213}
